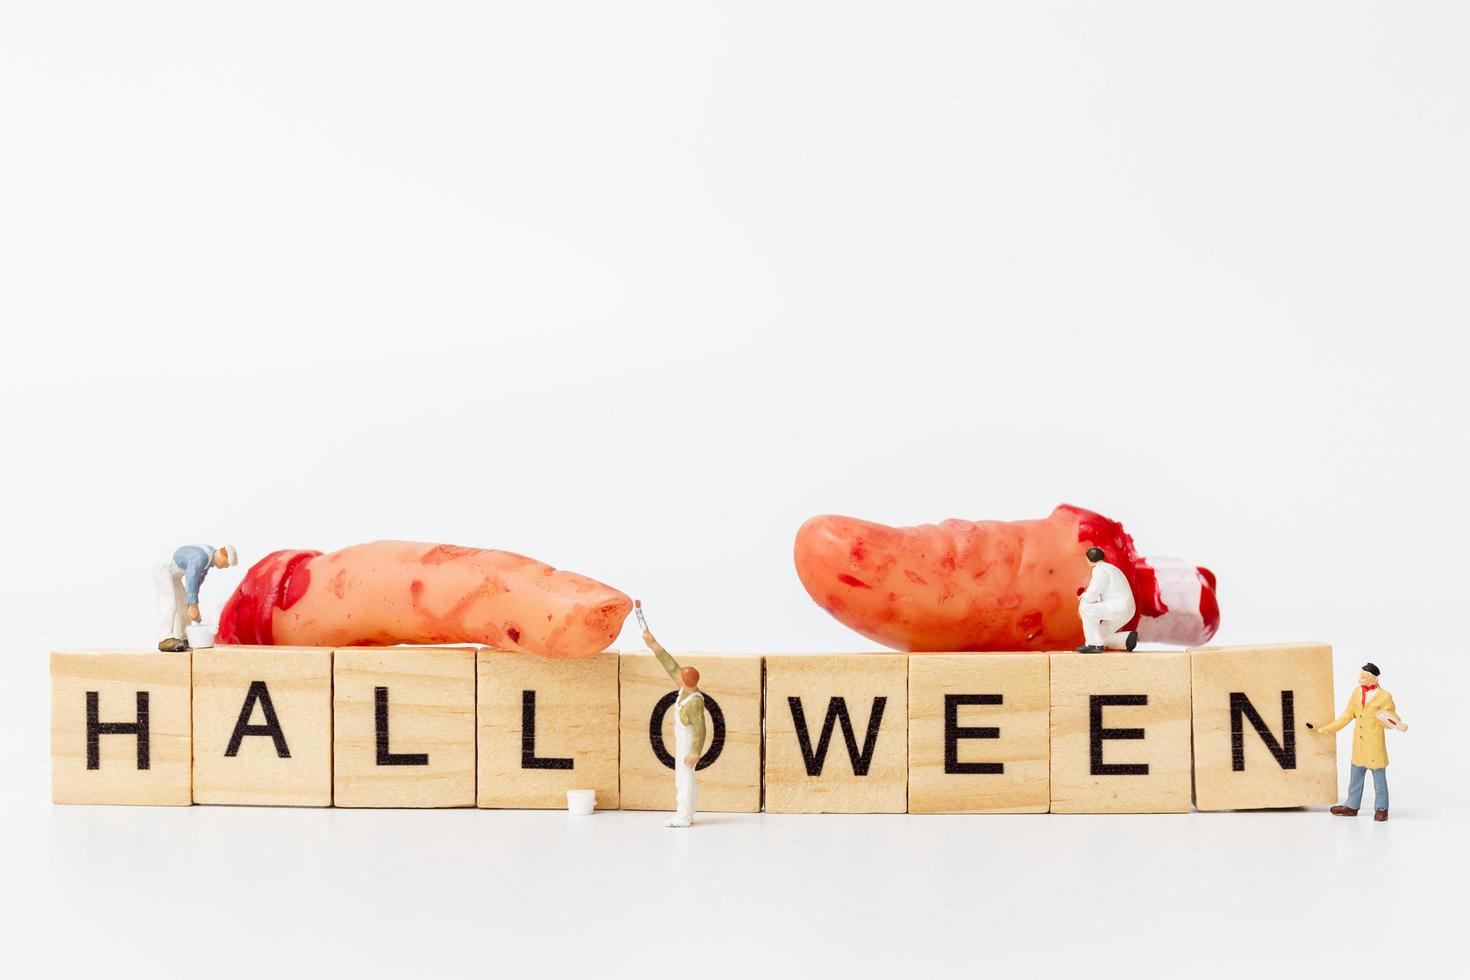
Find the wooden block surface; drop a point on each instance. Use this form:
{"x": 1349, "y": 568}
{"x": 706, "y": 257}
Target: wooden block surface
{"x": 547, "y": 726}
{"x": 1120, "y": 731}
{"x": 263, "y": 725}
{"x": 423, "y": 754}
{"x": 979, "y": 735}
{"x": 136, "y": 748}
{"x": 729, "y": 774}
{"x": 1251, "y": 747}
{"x": 860, "y": 703}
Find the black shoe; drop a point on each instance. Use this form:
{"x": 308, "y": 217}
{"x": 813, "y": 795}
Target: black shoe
{"x": 1085, "y": 648}
{"x": 1132, "y": 639}
{"x": 173, "y": 645}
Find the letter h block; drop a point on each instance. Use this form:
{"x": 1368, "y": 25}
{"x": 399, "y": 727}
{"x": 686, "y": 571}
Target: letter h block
{"x": 547, "y": 726}
{"x": 403, "y": 727}
{"x": 1120, "y": 732}
{"x": 837, "y": 733}
{"x": 120, "y": 728}
{"x": 1252, "y": 749}
{"x": 729, "y": 773}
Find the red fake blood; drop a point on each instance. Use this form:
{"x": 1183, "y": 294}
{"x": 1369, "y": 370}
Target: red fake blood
{"x": 441, "y": 553}
{"x": 1209, "y": 605}
{"x": 1093, "y": 529}
{"x": 856, "y": 583}
{"x": 277, "y": 581}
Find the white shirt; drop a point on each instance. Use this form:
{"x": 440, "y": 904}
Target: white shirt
{"x": 1109, "y": 587}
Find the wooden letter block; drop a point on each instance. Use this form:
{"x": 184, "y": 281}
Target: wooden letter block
{"x": 729, "y": 774}
{"x": 120, "y": 728}
{"x": 1251, "y": 747}
{"x": 404, "y": 726}
{"x": 547, "y": 726}
{"x": 837, "y": 733}
{"x": 1120, "y": 732}
{"x": 263, "y": 725}
{"x": 979, "y": 737}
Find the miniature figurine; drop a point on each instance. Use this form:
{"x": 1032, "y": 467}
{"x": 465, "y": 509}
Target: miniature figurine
{"x": 1106, "y": 607}
{"x": 992, "y": 585}
{"x": 1371, "y": 708}
{"x": 177, "y": 580}
{"x": 390, "y": 592}
{"x": 689, "y": 729}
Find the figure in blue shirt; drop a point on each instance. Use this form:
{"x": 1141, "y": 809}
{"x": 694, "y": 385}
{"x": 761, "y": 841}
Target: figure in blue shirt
{"x": 177, "y": 579}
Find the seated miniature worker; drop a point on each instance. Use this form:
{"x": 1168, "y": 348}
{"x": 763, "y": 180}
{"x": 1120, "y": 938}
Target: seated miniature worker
{"x": 177, "y": 580}
{"x": 1106, "y": 607}
{"x": 1371, "y": 708}
{"x": 689, "y": 730}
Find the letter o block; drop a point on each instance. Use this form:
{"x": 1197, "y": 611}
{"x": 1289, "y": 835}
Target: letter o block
{"x": 120, "y": 728}
{"x": 1252, "y": 749}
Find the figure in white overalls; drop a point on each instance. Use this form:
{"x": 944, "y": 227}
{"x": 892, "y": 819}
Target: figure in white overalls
{"x": 689, "y": 729}
{"x": 177, "y": 579}
{"x": 1106, "y": 607}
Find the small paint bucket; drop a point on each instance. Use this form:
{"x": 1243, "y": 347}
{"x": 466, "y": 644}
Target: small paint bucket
{"x": 200, "y": 637}
{"x": 580, "y": 802}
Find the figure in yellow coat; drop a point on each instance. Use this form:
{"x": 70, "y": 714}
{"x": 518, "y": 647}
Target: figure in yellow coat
{"x": 1372, "y": 710}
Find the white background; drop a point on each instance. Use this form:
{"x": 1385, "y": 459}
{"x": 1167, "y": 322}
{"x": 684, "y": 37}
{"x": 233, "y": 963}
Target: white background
{"x": 635, "y": 289}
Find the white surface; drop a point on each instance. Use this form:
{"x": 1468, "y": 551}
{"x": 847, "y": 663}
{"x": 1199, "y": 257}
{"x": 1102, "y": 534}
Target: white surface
{"x": 636, "y": 289}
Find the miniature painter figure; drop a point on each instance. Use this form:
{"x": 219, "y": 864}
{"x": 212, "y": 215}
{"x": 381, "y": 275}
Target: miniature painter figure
{"x": 177, "y": 580}
{"x": 992, "y": 585}
{"x": 390, "y": 592}
{"x": 1106, "y": 607}
{"x": 1371, "y": 708}
{"x": 689, "y": 728}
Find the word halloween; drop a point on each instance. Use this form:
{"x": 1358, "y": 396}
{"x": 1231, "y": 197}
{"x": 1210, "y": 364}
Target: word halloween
{"x": 1214, "y": 727}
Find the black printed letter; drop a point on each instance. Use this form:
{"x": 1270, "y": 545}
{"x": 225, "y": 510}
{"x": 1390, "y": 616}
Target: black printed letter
{"x": 953, "y": 733}
{"x": 96, "y": 729}
{"x": 1099, "y": 733}
{"x": 1284, "y": 751}
{"x": 385, "y": 756}
{"x": 528, "y": 738}
{"x": 272, "y": 727}
{"x": 837, "y": 711}
{"x": 656, "y": 731}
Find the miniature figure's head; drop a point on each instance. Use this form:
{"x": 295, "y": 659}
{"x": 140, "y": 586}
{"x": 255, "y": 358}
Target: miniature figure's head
{"x": 225, "y": 557}
{"x": 689, "y": 677}
{"x": 1095, "y": 555}
{"x": 1368, "y": 676}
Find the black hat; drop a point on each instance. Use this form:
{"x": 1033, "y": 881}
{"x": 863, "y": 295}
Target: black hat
{"x": 1095, "y": 554}
{"x": 1371, "y": 668}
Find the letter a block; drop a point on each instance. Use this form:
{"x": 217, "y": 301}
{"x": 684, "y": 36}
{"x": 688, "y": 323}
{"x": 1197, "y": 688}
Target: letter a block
{"x": 120, "y": 728}
{"x": 1251, "y": 747}
{"x": 729, "y": 774}
{"x": 1120, "y": 733}
{"x": 979, "y": 738}
{"x": 404, "y": 727}
{"x": 547, "y": 726}
{"x": 837, "y": 733}
{"x": 263, "y": 725}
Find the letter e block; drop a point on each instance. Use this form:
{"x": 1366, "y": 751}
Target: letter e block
{"x": 120, "y": 728}
{"x": 1120, "y": 732}
{"x": 979, "y": 736}
{"x": 837, "y": 733}
{"x": 1251, "y": 747}
{"x": 263, "y": 725}
{"x": 403, "y": 726}
{"x": 729, "y": 774}
{"x": 547, "y": 726}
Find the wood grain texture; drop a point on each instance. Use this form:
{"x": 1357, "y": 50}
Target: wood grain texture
{"x": 1162, "y": 679}
{"x": 297, "y": 684}
{"x": 1020, "y": 745}
{"x": 1260, "y": 675}
{"x": 837, "y": 782}
{"x": 431, "y": 711}
{"x": 575, "y": 728}
{"x": 116, "y": 678}
{"x": 729, "y": 784}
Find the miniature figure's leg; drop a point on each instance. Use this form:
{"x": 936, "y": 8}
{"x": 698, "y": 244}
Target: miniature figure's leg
{"x": 181, "y": 607}
{"x": 1380, "y": 788}
{"x": 686, "y": 795}
{"x": 1355, "y": 787}
{"x": 1117, "y": 636}
{"x": 168, "y": 602}
{"x": 1092, "y": 631}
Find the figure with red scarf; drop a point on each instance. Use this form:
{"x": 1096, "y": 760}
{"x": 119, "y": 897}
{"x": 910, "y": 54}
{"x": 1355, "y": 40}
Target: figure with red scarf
{"x": 1372, "y": 710}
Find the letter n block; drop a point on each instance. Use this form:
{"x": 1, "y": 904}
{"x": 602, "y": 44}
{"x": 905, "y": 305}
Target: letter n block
{"x": 263, "y": 725}
{"x": 1120, "y": 732}
{"x": 120, "y": 728}
{"x": 1251, "y": 747}
{"x": 837, "y": 733}
{"x": 547, "y": 726}
{"x": 729, "y": 774}
{"x": 979, "y": 738}
{"x": 403, "y": 726}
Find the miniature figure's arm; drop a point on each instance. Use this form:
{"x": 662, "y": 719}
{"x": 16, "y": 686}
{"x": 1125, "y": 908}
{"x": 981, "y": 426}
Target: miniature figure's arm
{"x": 1095, "y": 586}
{"x": 669, "y": 663}
{"x": 1342, "y": 719}
{"x": 694, "y": 717}
{"x": 196, "y": 565}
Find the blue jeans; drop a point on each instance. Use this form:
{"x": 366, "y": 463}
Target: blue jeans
{"x": 1380, "y": 788}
